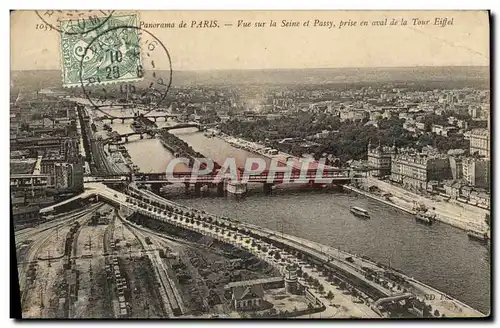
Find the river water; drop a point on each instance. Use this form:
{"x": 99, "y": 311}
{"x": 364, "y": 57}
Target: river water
{"x": 440, "y": 256}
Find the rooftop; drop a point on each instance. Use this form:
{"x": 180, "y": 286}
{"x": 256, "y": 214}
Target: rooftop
{"x": 25, "y": 166}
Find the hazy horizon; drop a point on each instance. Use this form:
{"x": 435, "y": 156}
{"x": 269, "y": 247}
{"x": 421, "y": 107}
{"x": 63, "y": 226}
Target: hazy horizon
{"x": 464, "y": 75}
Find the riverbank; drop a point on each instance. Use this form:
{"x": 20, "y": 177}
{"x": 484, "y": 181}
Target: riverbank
{"x": 406, "y": 205}
{"x": 380, "y": 199}
{"x": 249, "y": 146}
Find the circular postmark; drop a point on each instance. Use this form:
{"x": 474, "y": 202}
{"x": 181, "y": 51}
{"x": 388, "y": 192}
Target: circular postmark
{"x": 81, "y": 21}
{"x": 125, "y": 66}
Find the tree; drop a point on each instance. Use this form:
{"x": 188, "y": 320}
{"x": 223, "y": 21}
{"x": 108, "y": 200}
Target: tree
{"x": 330, "y": 295}
{"x": 436, "y": 313}
{"x": 321, "y": 288}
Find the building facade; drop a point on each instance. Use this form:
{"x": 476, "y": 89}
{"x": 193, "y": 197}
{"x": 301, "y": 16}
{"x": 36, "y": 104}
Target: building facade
{"x": 476, "y": 172}
{"x": 414, "y": 170}
{"x": 480, "y": 142}
{"x": 247, "y": 297}
{"x": 456, "y": 167}
{"x": 68, "y": 176}
{"x": 379, "y": 158}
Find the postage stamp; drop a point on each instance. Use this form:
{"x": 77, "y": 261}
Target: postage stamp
{"x": 104, "y": 55}
{"x": 153, "y": 75}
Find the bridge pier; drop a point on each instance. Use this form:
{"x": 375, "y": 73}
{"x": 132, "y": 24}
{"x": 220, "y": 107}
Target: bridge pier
{"x": 155, "y": 187}
{"x": 220, "y": 189}
{"x": 126, "y": 139}
{"x": 123, "y": 120}
{"x": 197, "y": 189}
{"x": 142, "y": 137}
{"x": 154, "y": 117}
{"x": 111, "y": 119}
{"x": 236, "y": 188}
{"x": 268, "y": 188}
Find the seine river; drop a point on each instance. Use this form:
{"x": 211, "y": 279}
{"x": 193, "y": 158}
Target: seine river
{"x": 440, "y": 256}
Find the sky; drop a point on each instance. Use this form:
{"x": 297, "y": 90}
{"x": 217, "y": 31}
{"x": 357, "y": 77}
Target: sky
{"x": 464, "y": 43}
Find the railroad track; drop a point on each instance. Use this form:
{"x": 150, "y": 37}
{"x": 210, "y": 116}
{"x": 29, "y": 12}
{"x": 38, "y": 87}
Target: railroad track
{"x": 41, "y": 239}
{"x": 174, "y": 303}
{"x": 23, "y": 235}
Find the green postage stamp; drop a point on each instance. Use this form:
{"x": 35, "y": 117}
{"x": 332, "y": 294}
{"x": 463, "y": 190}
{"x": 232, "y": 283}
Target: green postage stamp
{"x": 108, "y": 54}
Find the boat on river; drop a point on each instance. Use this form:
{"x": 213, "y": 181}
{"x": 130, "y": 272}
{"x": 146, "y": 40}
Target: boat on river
{"x": 478, "y": 236}
{"x": 425, "y": 218}
{"x": 360, "y": 212}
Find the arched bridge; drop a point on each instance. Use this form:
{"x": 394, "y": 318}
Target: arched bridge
{"x": 153, "y": 132}
{"x": 124, "y": 118}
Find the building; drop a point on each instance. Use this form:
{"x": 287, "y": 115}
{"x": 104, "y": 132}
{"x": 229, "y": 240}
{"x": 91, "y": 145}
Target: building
{"x": 48, "y": 165}
{"x": 414, "y": 170}
{"x": 480, "y": 142}
{"x": 483, "y": 200}
{"x": 456, "y": 167}
{"x": 248, "y": 297}
{"x": 70, "y": 150}
{"x": 249, "y": 294}
{"x": 23, "y": 166}
{"x": 62, "y": 173}
{"x": 68, "y": 176}
{"x": 33, "y": 185}
{"x": 291, "y": 279}
{"x": 379, "y": 158}
{"x": 420, "y": 126}
{"x": 452, "y": 188}
{"x": 354, "y": 115}
{"x": 476, "y": 172}
{"x": 25, "y": 214}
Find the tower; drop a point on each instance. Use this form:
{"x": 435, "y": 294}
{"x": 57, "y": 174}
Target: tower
{"x": 291, "y": 280}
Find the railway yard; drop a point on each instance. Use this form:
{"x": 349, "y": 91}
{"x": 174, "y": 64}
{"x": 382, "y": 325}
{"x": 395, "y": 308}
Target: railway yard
{"x": 92, "y": 263}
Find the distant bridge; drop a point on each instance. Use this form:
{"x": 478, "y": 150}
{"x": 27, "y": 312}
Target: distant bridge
{"x": 153, "y": 132}
{"x": 124, "y": 118}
